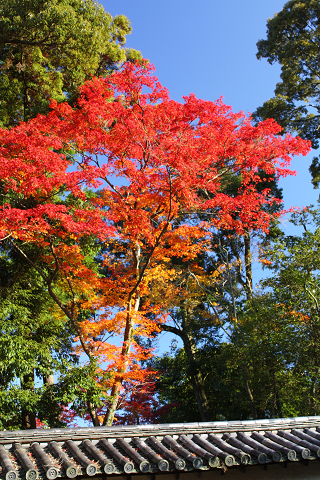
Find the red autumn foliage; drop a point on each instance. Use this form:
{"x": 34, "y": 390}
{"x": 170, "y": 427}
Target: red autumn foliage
{"x": 139, "y": 406}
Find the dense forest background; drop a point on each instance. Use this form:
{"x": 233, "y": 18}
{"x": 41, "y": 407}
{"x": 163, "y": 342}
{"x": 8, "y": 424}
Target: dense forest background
{"x": 70, "y": 353}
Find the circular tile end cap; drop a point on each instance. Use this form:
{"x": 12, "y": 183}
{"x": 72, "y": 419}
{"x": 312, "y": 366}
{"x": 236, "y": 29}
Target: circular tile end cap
{"x": 11, "y": 475}
{"x": 213, "y": 462}
{"x": 262, "y": 458}
{"x": 108, "y": 468}
{"x": 245, "y": 459}
{"x": 163, "y": 465}
{"x": 291, "y": 455}
{"x": 305, "y": 453}
{"x": 197, "y": 462}
{"x": 276, "y": 456}
{"x": 91, "y": 470}
{"x": 51, "y": 473}
{"x": 144, "y": 466}
{"x": 32, "y": 474}
{"x": 180, "y": 464}
{"x": 318, "y": 452}
{"x": 229, "y": 460}
{"x": 71, "y": 472}
{"x": 128, "y": 467}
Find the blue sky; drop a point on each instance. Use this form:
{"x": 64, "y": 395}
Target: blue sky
{"x": 206, "y": 47}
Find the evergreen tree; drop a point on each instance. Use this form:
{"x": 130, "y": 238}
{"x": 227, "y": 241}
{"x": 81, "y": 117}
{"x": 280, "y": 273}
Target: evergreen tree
{"x": 49, "y": 48}
{"x": 293, "y": 41}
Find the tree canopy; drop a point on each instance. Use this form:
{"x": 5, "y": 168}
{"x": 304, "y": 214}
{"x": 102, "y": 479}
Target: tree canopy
{"x": 49, "y": 48}
{"x": 293, "y": 37}
{"x": 171, "y": 158}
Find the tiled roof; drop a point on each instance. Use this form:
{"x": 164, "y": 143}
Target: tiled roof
{"x": 156, "y": 449}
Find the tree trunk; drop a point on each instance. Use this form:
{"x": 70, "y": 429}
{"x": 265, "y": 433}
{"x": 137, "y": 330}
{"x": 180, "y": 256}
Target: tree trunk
{"x": 48, "y": 380}
{"x": 93, "y": 414}
{"x": 28, "y": 419}
{"x": 249, "y": 393}
{"x": 277, "y": 396}
{"x": 127, "y": 341}
{"x": 197, "y": 381}
{"x": 313, "y": 396}
{"x": 196, "y": 378}
{"x": 248, "y": 265}
{"x": 314, "y": 354}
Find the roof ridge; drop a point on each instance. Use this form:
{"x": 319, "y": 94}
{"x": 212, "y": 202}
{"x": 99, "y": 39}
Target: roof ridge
{"x": 80, "y": 433}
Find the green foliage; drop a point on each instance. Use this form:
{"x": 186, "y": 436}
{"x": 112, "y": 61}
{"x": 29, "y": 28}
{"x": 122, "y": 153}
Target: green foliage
{"x": 270, "y": 341}
{"x": 296, "y": 285}
{"x": 35, "y": 342}
{"x": 49, "y": 48}
{"x": 293, "y": 41}
{"x": 273, "y": 349}
{"x": 80, "y": 386}
{"x": 223, "y": 385}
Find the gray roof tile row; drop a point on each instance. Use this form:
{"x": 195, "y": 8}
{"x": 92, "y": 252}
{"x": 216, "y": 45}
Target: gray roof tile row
{"x": 51, "y": 453}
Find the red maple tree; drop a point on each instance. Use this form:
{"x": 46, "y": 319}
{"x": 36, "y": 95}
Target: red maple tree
{"x": 151, "y": 162}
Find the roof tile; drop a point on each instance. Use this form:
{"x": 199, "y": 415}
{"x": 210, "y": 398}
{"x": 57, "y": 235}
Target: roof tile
{"x": 91, "y": 451}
